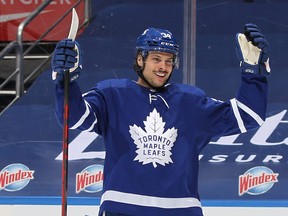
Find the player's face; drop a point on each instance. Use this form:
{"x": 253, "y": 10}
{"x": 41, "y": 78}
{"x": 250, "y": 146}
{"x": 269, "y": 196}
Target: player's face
{"x": 157, "y": 69}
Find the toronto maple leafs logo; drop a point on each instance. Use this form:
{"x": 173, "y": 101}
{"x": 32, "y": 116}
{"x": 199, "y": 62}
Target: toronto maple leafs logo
{"x": 153, "y": 144}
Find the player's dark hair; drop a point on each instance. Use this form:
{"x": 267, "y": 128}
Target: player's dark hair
{"x": 137, "y": 68}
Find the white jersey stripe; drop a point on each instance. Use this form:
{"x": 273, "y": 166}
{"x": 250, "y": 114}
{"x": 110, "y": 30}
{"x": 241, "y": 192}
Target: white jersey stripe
{"x": 84, "y": 116}
{"x": 150, "y": 201}
{"x": 92, "y": 125}
{"x": 237, "y": 115}
{"x": 254, "y": 115}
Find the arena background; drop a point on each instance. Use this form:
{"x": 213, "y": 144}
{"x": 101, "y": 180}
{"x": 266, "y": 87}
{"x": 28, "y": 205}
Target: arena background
{"x": 31, "y": 138}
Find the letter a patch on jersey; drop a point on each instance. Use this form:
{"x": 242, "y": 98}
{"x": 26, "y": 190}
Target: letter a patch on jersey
{"x": 153, "y": 144}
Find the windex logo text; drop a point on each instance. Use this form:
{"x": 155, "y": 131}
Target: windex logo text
{"x": 90, "y": 179}
{"x": 15, "y": 177}
{"x": 257, "y": 180}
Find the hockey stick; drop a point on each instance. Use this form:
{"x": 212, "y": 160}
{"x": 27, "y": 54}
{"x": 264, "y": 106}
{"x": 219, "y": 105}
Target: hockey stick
{"x": 72, "y": 35}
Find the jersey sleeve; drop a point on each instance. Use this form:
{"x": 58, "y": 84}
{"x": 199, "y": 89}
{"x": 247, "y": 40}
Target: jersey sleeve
{"x": 242, "y": 113}
{"x": 86, "y": 112}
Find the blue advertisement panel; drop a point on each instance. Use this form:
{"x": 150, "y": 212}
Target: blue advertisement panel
{"x": 250, "y": 166}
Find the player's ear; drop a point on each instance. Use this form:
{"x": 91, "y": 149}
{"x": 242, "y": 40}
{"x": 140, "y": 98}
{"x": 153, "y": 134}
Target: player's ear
{"x": 140, "y": 60}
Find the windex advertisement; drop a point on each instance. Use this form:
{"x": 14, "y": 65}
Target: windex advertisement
{"x": 248, "y": 166}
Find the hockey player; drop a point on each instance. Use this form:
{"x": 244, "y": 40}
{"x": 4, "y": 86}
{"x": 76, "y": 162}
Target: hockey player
{"x": 154, "y": 130}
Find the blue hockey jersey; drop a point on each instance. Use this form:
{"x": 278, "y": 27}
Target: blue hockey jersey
{"x": 153, "y": 138}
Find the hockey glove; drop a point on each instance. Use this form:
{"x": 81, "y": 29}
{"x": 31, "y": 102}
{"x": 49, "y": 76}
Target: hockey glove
{"x": 253, "y": 51}
{"x": 67, "y": 56}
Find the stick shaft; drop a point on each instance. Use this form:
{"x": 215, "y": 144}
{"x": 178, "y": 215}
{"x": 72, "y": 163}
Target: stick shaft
{"x": 65, "y": 144}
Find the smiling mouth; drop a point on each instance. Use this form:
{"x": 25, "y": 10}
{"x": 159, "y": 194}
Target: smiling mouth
{"x": 161, "y": 74}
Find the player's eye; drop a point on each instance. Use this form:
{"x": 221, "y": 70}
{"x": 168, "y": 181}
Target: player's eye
{"x": 156, "y": 59}
{"x": 169, "y": 62}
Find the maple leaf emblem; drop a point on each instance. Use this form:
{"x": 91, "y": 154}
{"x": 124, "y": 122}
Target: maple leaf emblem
{"x": 153, "y": 144}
